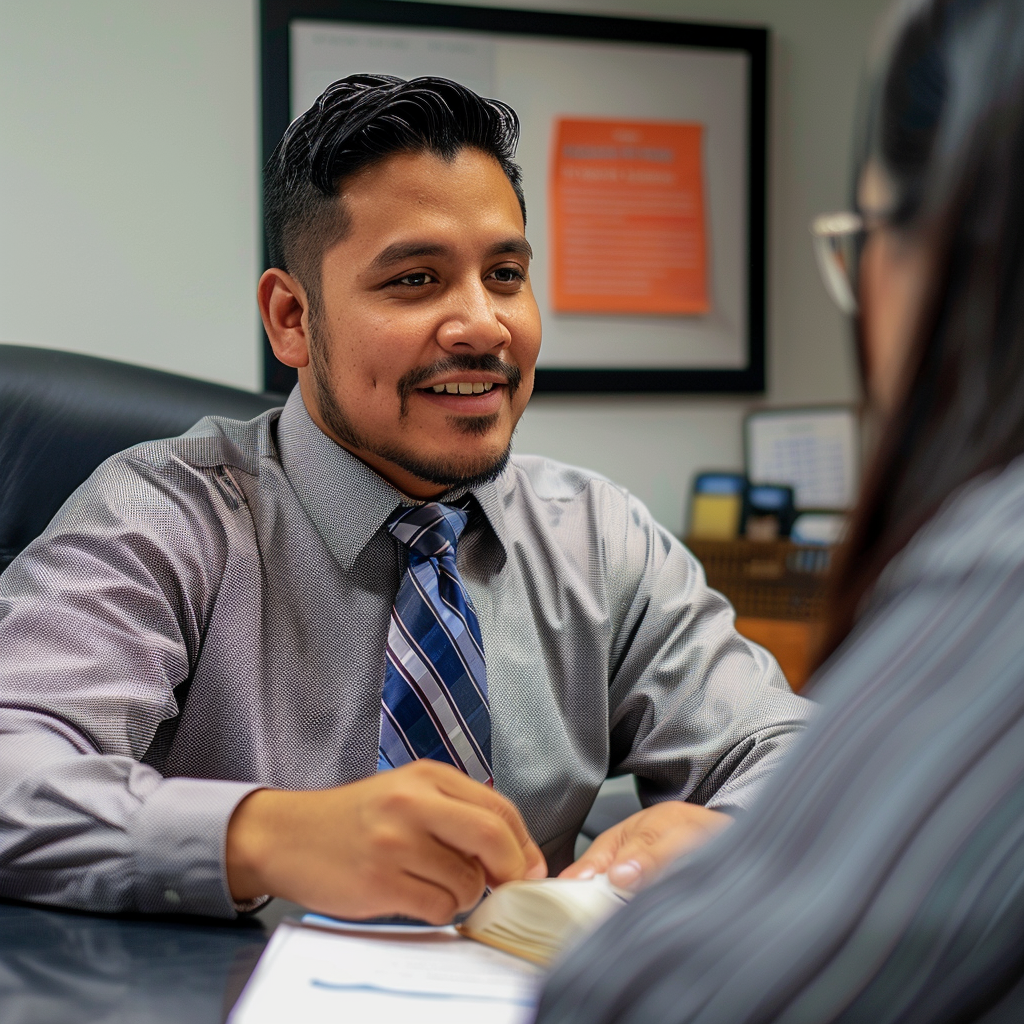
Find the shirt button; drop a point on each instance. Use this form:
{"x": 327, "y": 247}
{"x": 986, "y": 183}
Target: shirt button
{"x": 171, "y": 896}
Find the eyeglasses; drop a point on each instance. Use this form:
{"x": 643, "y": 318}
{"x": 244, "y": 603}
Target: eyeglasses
{"x": 838, "y": 240}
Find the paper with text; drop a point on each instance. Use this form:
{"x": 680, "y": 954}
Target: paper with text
{"x": 312, "y": 975}
{"x": 814, "y": 451}
{"x": 627, "y": 218}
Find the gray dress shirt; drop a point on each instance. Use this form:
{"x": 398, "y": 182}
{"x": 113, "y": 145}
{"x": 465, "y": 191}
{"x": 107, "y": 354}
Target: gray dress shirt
{"x": 208, "y": 614}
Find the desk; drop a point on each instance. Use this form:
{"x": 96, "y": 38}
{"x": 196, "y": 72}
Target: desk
{"x": 60, "y": 966}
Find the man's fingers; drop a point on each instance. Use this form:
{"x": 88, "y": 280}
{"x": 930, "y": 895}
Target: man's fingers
{"x": 659, "y": 836}
{"x": 599, "y": 856}
{"x": 536, "y": 864}
{"x": 462, "y": 877}
{"x": 482, "y": 834}
{"x": 637, "y": 849}
{"x": 638, "y": 859}
{"x": 418, "y": 897}
{"x": 458, "y": 786}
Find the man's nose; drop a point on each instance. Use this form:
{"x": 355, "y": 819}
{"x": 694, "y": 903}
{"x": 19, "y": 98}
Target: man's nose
{"x": 471, "y": 323}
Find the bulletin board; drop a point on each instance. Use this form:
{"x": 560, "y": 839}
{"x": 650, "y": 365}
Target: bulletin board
{"x": 643, "y": 151}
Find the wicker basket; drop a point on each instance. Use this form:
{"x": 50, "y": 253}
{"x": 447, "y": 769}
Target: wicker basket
{"x": 766, "y": 579}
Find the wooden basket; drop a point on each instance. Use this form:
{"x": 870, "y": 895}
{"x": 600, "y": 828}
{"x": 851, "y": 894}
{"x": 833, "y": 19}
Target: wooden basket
{"x": 766, "y": 579}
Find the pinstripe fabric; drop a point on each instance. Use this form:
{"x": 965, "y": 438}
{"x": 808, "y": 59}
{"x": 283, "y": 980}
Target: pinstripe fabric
{"x": 210, "y": 613}
{"x": 434, "y": 699}
{"x": 881, "y": 878}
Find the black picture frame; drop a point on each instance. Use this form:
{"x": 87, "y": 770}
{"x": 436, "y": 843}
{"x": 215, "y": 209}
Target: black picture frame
{"x": 276, "y": 16}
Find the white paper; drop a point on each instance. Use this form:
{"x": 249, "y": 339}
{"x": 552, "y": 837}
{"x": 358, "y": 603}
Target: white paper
{"x": 813, "y": 450}
{"x": 310, "y": 975}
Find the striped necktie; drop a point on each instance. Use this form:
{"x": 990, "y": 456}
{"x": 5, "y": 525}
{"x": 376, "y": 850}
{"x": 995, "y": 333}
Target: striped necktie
{"x": 434, "y": 702}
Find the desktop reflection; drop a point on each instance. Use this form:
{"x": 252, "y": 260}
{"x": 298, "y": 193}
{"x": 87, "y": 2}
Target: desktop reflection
{"x": 58, "y": 966}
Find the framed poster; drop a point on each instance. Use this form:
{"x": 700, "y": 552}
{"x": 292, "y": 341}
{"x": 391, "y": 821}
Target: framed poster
{"x": 643, "y": 151}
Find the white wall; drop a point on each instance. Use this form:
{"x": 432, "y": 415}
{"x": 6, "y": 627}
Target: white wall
{"x": 128, "y": 163}
{"x": 128, "y": 206}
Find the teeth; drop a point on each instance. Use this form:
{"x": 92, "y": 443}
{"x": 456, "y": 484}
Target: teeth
{"x": 462, "y": 388}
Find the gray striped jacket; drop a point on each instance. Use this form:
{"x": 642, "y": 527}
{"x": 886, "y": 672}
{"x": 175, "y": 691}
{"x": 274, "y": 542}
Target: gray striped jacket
{"x": 880, "y": 878}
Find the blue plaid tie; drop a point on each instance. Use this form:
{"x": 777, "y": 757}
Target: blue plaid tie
{"x": 434, "y": 703}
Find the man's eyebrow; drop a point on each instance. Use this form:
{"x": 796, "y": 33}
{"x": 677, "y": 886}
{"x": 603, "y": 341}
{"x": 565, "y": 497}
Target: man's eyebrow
{"x": 516, "y": 245}
{"x": 399, "y": 252}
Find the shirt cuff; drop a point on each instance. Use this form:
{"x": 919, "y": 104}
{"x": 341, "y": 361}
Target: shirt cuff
{"x": 179, "y": 837}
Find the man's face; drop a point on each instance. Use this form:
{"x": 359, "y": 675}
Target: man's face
{"x": 423, "y": 359}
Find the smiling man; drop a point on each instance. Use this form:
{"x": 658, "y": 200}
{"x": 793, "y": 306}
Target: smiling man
{"x": 354, "y": 652}
{"x": 416, "y": 345}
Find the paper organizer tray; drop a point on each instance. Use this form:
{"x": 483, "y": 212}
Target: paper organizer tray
{"x": 766, "y": 579}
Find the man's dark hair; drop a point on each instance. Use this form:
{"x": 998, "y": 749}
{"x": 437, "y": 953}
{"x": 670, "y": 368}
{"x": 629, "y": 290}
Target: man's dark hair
{"x": 356, "y": 122}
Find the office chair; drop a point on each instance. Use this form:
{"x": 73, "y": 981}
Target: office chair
{"x": 62, "y": 414}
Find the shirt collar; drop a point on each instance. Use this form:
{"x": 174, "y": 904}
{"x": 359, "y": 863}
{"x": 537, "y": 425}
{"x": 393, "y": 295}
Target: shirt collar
{"x": 347, "y": 501}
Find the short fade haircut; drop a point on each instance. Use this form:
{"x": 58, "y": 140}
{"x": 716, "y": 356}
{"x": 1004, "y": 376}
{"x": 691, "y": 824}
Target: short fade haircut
{"x": 357, "y": 122}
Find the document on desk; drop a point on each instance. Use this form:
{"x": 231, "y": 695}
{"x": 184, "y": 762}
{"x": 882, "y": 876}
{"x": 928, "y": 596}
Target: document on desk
{"x": 315, "y": 975}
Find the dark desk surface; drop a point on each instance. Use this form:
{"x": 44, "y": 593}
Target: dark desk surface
{"x": 58, "y": 966}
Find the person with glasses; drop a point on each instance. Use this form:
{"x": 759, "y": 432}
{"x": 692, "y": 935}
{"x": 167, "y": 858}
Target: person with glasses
{"x": 881, "y": 876}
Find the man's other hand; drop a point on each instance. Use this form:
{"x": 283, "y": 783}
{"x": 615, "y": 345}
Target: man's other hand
{"x": 634, "y": 852}
{"x": 421, "y": 840}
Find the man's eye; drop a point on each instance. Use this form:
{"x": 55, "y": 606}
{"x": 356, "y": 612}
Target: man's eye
{"x": 508, "y": 275}
{"x": 415, "y": 280}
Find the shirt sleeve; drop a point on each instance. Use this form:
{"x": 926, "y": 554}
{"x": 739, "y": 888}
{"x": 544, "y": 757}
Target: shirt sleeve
{"x": 697, "y": 712}
{"x": 101, "y": 619}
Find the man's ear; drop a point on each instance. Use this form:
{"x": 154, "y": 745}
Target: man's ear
{"x": 284, "y": 308}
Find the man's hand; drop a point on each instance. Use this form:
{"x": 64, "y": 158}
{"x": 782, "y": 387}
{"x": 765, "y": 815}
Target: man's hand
{"x": 636, "y": 850}
{"x": 421, "y": 840}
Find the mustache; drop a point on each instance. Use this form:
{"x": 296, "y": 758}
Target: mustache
{"x": 488, "y": 363}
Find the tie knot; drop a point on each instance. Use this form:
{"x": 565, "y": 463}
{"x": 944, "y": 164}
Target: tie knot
{"x": 431, "y": 530}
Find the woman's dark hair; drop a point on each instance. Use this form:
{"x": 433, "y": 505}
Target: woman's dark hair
{"x": 946, "y": 128}
{"x": 356, "y": 122}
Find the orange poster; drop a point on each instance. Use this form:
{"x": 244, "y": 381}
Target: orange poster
{"x": 627, "y": 218}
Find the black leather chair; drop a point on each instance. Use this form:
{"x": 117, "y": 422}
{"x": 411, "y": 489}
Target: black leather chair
{"x": 62, "y": 414}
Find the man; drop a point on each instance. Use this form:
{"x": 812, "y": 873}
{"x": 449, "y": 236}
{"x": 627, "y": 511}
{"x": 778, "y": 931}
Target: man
{"x": 237, "y": 662}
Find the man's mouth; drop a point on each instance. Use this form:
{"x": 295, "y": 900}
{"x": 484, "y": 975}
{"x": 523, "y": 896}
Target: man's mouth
{"x": 462, "y": 387}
